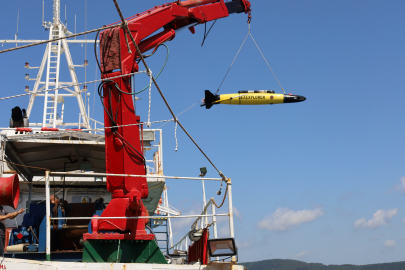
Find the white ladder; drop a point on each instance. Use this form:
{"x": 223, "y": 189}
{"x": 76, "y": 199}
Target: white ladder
{"x": 52, "y": 78}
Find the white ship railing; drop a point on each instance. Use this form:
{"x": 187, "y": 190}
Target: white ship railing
{"x": 95, "y": 122}
{"x": 184, "y": 240}
{"x": 203, "y": 217}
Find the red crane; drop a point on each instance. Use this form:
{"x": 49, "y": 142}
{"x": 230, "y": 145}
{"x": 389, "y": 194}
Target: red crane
{"x": 118, "y": 56}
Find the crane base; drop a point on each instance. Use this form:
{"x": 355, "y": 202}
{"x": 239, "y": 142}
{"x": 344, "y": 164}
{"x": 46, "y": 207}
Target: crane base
{"x": 122, "y": 251}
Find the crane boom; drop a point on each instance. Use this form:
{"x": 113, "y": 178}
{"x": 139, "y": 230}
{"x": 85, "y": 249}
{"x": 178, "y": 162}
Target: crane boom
{"x": 123, "y": 151}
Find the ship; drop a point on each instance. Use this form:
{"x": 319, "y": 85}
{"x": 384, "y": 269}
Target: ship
{"x": 95, "y": 192}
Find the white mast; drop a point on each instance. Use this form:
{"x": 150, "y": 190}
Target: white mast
{"x": 51, "y": 62}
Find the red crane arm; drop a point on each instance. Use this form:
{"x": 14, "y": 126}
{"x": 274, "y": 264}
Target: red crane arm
{"x": 124, "y": 154}
{"x": 170, "y": 16}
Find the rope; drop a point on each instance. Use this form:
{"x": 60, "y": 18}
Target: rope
{"x": 234, "y": 60}
{"x": 74, "y": 84}
{"x": 183, "y": 112}
{"x": 56, "y": 39}
{"x": 226, "y": 192}
{"x": 126, "y": 38}
{"x": 175, "y": 135}
{"x": 150, "y": 97}
{"x": 265, "y": 60}
{"x": 16, "y": 164}
{"x": 250, "y": 34}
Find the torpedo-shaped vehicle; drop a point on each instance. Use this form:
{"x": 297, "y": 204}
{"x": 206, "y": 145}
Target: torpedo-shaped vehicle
{"x": 250, "y": 97}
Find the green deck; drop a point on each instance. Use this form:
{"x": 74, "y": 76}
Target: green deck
{"x": 122, "y": 251}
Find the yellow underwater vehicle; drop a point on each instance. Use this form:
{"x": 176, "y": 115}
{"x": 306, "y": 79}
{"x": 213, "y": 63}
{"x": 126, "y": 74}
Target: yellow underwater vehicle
{"x": 250, "y": 97}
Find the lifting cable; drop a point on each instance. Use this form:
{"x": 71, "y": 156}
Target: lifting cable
{"x": 250, "y": 34}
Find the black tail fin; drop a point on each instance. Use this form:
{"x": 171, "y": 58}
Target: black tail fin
{"x": 209, "y": 99}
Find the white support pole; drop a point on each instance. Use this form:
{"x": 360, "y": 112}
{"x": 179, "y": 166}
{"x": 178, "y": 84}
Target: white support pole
{"x": 3, "y": 150}
{"x": 48, "y": 217}
{"x": 205, "y": 203}
{"x": 88, "y": 106}
{"x": 161, "y": 150}
{"x": 230, "y": 207}
{"x": 75, "y": 81}
{"x": 169, "y": 222}
{"x": 214, "y": 220}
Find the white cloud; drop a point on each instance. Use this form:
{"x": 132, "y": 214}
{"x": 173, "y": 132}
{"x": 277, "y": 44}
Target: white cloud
{"x": 401, "y": 186}
{"x": 380, "y": 218}
{"x": 284, "y": 219}
{"x": 237, "y": 213}
{"x": 389, "y": 243}
{"x": 300, "y": 254}
{"x": 403, "y": 220}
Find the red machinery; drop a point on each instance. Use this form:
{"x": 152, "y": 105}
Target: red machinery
{"x": 123, "y": 150}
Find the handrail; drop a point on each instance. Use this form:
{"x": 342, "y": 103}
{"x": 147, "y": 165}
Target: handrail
{"x": 178, "y": 243}
{"x": 202, "y": 213}
{"x": 133, "y": 175}
{"x": 196, "y": 221}
{"x": 92, "y": 119}
{"x": 137, "y": 217}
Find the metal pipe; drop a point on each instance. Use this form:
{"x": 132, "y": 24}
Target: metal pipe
{"x": 133, "y": 175}
{"x": 72, "y": 227}
{"x": 230, "y": 209}
{"x": 205, "y": 203}
{"x": 195, "y": 224}
{"x": 192, "y": 3}
{"x": 161, "y": 150}
{"x": 43, "y": 41}
{"x": 48, "y": 217}
{"x": 88, "y": 218}
{"x": 33, "y": 233}
{"x": 168, "y": 214}
{"x": 214, "y": 221}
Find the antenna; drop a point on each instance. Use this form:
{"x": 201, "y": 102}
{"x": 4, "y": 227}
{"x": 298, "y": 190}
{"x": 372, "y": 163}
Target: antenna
{"x": 65, "y": 17}
{"x": 18, "y": 16}
{"x": 75, "y": 25}
{"x": 43, "y": 12}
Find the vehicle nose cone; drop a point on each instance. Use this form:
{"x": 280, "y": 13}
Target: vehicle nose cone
{"x": 293, "y": 98}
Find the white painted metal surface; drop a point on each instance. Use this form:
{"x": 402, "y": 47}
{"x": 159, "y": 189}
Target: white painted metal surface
{"x": 48, "y": 215}
{"x": 230, "y": 209}
{"x": 17, "y": 264}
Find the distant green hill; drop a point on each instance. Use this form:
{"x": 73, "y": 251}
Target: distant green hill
{"x": 297, "y": 265}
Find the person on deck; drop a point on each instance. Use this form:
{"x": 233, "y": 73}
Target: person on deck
{"x": 54, "y": 199}
{"x": 3, "y": 216}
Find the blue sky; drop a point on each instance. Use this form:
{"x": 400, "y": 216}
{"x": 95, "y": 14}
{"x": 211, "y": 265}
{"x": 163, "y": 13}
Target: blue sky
{"x": 318, "y": 181}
